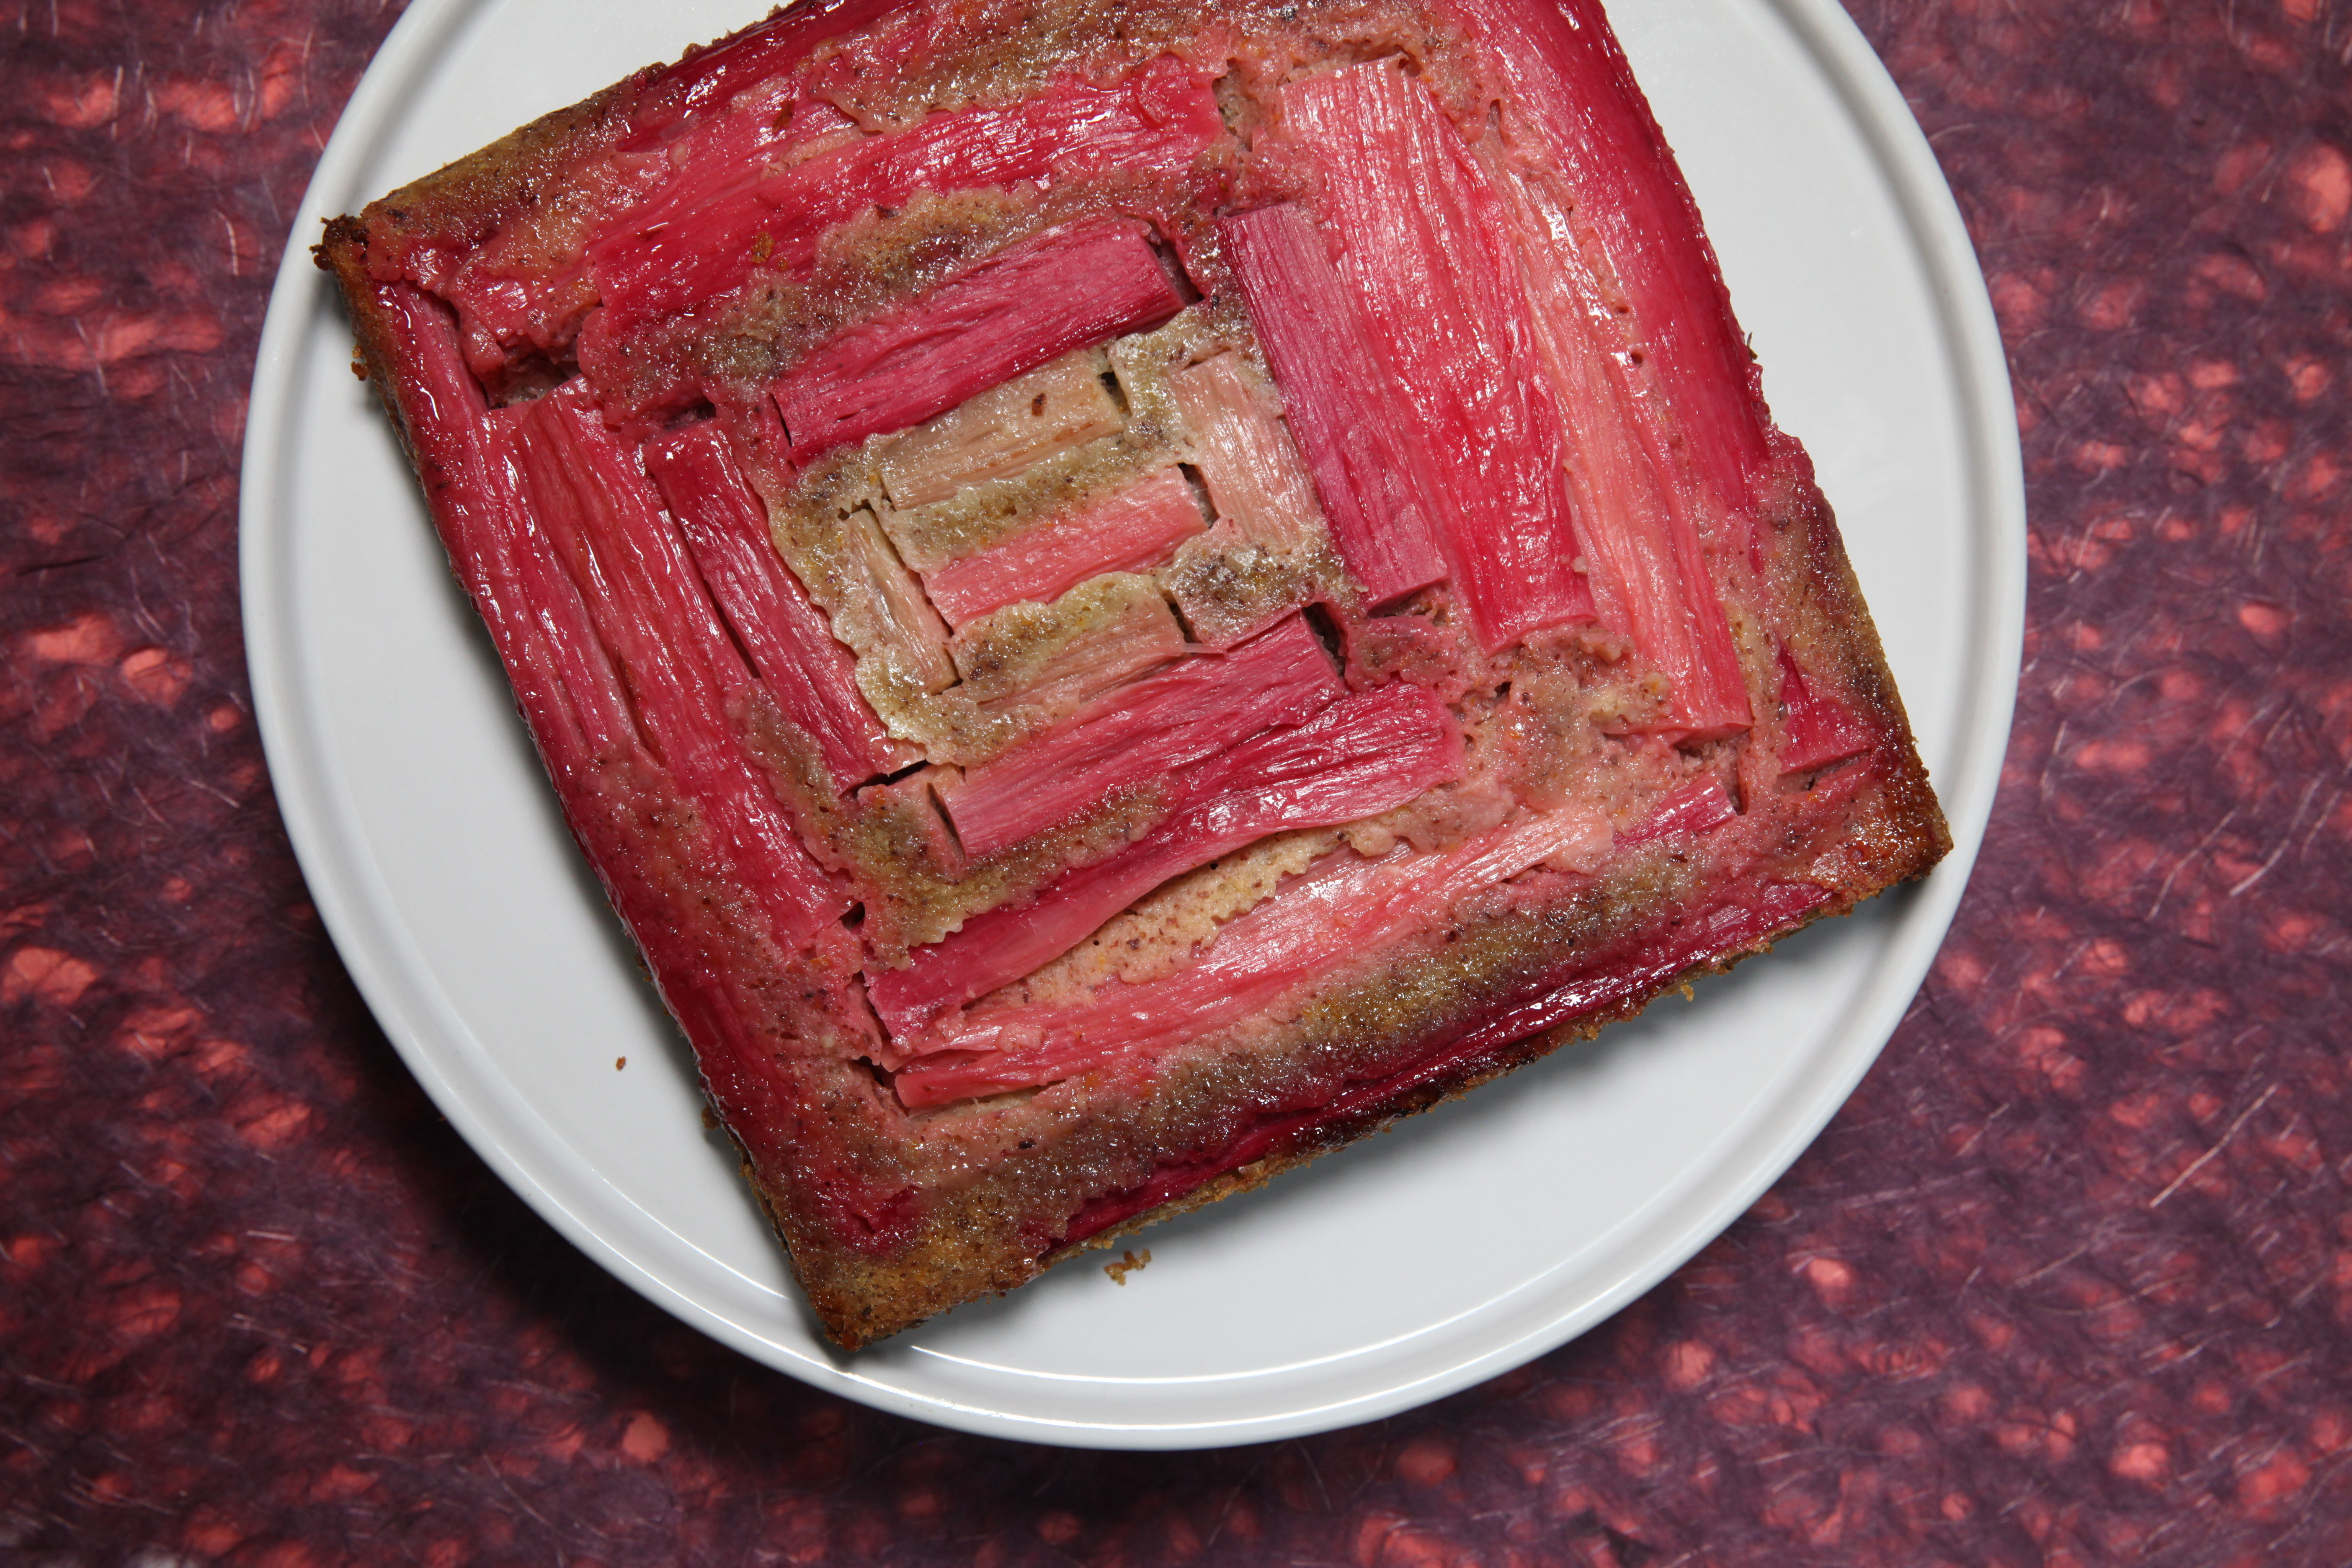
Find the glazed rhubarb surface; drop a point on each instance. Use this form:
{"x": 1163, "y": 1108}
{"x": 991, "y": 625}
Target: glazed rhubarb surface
{"x": 1118, "y": 601}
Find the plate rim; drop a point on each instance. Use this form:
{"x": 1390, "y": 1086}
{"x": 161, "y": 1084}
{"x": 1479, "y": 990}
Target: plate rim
{"x": 1992, "y": 461}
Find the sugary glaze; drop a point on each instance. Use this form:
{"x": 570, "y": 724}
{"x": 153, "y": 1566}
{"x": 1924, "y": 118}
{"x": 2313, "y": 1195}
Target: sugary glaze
{"x": 1121, "y": 599}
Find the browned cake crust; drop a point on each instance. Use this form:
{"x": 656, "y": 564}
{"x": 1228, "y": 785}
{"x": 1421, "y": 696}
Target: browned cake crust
{"x": 894, "y": 1206}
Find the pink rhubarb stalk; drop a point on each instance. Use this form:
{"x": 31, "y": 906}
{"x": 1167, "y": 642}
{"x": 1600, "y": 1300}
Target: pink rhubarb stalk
{"x": 689, "y": 92}
{"x": 1140, "y": 735}
{"x": 1819, "y": 728}
{"x": 671, "y": 140}
{"x": 1699, "y": 806}
{"x": 568, "y": 692}
{"x": 701, "y": 242}
{"x": 1379, "y": 493}
{"x": 659, "y": 859}
{"x": 1361, "y": 755}
{"x": 812, "y": 677}
{"x": 1309, "y": 929}
{"x": 1346, "y": 908}
{"x": 1129, "y": 531}
{"x": 1642, "y": 540}
{"x": 1593, "y": 129}
{"x": 1066, "y": 289}
{"x": 653, "y": 616}
{"x": 1421, "y": 241}
{"x": 1720, "y": 930}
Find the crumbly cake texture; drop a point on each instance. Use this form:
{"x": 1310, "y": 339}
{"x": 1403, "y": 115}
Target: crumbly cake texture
{"x": 1119, "y": 597}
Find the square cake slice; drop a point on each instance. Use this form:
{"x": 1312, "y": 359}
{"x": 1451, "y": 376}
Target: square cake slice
{"x": 1119, "y": 597}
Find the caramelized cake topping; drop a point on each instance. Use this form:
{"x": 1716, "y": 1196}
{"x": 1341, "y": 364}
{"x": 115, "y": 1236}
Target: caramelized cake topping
{"x": 1121, "y": 599}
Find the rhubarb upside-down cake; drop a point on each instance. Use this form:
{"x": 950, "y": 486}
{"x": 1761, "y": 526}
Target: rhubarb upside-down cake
{"x": 1121, "y": 596}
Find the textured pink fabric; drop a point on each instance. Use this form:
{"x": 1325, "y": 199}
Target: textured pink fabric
{"x": 2069, "y": 1280}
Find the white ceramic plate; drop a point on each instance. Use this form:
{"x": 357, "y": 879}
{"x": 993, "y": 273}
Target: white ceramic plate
{"x": 1396, "y": 1271}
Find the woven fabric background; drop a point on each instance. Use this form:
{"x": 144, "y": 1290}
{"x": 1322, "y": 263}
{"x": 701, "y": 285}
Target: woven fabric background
{"x": 2069, "y": 1281}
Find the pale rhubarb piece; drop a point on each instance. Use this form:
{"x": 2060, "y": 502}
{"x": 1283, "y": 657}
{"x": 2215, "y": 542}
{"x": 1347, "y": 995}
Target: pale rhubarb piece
{"x": 912, "y": 625}
{"x": 1119, "y": 601}
{"x": 1269, "y": 552}
{"x": 1056, "y": 655}
{"x": 1003, "y": 431}
{"x": 1248, "y": 463}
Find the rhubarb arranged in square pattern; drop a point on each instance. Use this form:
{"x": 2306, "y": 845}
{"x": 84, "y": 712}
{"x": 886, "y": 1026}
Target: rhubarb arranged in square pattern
{"x": 1118, "y": 602}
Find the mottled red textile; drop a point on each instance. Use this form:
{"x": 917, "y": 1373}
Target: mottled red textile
{"x": 2069, "y": 1281}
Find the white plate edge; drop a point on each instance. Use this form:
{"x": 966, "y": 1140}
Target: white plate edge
{"x": 1875, "y": 107}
